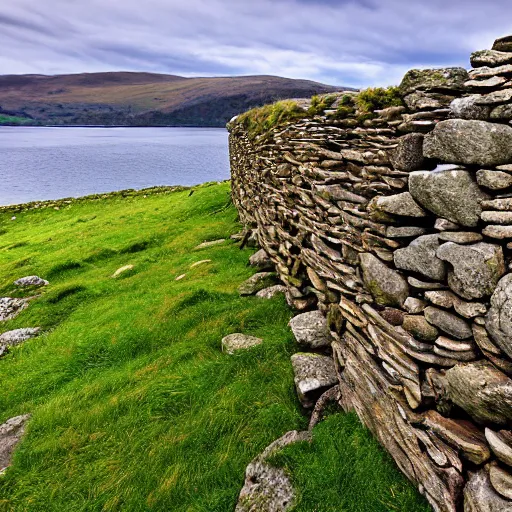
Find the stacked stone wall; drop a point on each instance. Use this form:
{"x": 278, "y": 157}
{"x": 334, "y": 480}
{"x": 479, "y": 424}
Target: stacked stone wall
{"x": 399, "y": 229}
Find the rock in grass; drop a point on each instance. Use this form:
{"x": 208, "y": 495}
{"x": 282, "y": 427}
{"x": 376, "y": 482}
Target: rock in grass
{"x": 121, "y": 270}
{"x": 267, "y": 488}
{"x": 10, "y": 435}
{"x": 313, "y": 374}
{"x": 197, "y": 263}
{"x": 261, "y": 260}
{"x": 238, "y": 341}
{"x": 11, "y": 307}
{"x": 272, "y": 291}
{"x": 17, "y": 336}
{"x": 387, "y": 286}
{"x": 210, "y": 243}
{"x": 31, "y": 282}
{"x": 257, "y": 282}
{"x": 310, "y": 329}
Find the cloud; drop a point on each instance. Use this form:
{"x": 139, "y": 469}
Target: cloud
{"x": 343, "y": 42}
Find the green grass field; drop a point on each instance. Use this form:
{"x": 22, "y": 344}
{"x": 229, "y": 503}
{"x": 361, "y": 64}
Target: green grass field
{"x": 135, "y": 407}
{"x": 14, "y": 120}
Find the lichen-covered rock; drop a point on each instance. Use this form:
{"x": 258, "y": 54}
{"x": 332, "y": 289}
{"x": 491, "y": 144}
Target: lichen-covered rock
{"x": 420, "y": 256}
{"x": 310, "y": 329}
{"x": 498, "y": 232}
{"x": 399, "y": 204}
{"x": 267, "y": 488}
{"x": 313, "y": 374}
{"x": 257, "y": 282}
{"x": 499, "y": 319}
{"x": 476, "y": 270}
{"x": 480, "y": 496}
{"x": 31, "y": 282}
{"x": 17, "y": 336}
{"x": 468, "y": 108}
{"x": 490, "y": 58}
{"x": 503, "y": 44}
{"x": 272, "y": 291}
{"x": 408, "y": 155}
{"x": 470, "y": 142}
{"x": 11, "y": 307}
{"x": 447, "y": 79}
{"x": 493, "y": 180}
{"x": 387, "y": 286}
{"x": 11, "y": 433}
{"x": 448, "y": 322}
{"x": 501, "y": 480}
{"x": 419, "y": 100}
{"x": 482, "y": 391}
{"x": 261, "y": 260}
{"x": 461, "y": 237}
{"x": 451, "y": 194}
{"x": 238, "y": 341}
{"x": 418, "y": 326}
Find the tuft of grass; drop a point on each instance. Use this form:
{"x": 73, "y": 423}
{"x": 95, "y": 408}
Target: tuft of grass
{"x": 319, "y": 103}
{"x": 259, "y": 121}
{"x": 134, "y": 406}
{"x": 377, "y": 98}
{"x": 14, "y": 120}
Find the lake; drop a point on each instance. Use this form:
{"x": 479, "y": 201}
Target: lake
{"x": 38, "y": 163}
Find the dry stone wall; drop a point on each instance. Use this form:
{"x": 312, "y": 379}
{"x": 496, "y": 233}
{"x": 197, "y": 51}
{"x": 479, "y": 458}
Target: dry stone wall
{"x": 399, "y": 229}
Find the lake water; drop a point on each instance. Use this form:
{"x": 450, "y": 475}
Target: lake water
{"x": 38, "y": 163}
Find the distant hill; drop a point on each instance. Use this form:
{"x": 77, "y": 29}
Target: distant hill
{"x": 143, "y": 99}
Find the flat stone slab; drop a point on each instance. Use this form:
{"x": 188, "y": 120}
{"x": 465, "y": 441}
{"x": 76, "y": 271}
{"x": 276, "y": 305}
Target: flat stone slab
{"x": 11, "y": 307}
{"x": 122, "y": 270}
{"x": 31, "y": 282}
{"x": 198, "y": 263}
{"x": 238, "y": 341}
{"x": 267, "y": 488}
{"x": 314, "y": 374}
{"x": 310, "y": 329}
{"x": 11, "y": 433}
{"x": 210, "y": 243}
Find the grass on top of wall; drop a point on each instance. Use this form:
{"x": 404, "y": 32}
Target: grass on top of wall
{"x": 14, "y": 120}
{"x": 134, "y": 406}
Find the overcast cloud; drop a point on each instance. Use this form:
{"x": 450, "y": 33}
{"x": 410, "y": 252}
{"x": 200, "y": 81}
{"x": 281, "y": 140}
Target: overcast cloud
{"x": 341, "y": 42}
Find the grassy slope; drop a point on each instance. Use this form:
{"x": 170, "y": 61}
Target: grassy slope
{"x": 134, "y": 406}
{"x": 13, "y": 120}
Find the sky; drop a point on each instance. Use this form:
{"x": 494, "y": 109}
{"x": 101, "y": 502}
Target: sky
{"x": 355, "y": 43}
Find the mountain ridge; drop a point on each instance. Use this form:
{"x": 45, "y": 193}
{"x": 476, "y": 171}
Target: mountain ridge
{"x": 144, "y": 99}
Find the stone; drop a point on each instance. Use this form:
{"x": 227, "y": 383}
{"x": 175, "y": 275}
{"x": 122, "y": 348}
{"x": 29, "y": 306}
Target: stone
{"x": 261, "y": 260}
{"x": 499, "y": 319}
{"x": 420, "y": 256}
{"x": 272, "y": 291}
{"x": 447, "y": 299}
{"x": 502, "y": 112}
{"x": 494, "y": 180}
{"x": 122, "y": 270}
{"x": 488, "y": 83}
{"x": 424, "y": 285}
{"x": 313, "y": 374}
{"x": 497, "y": 217}
{"x": 267, "y": 488}
{"x": 495, "y": 98}
{"x": 503, "y": 44}
{"x": 421, "y": 101}
{"x": 483, "y": 341}
{"x": 31, "y": 282}
{"x": 11, "y": 433}
{"x": 503, "y": 204}
{"x": 447, "y": 79}
{"x": 387, "y": 286}
{"x": 404, "y": 231}
{"x": 461, "y": 237}
{"x": 468, "y": 108}
{"x": 447, "y": 344}
{"x": 445, "y": 225}
{"x": 490, "y": 58}
{"x": 498, "y": 232}
{"x": 501, "y": 480}
{"x": 420, "y": 328}
{"x": 17, "y": 336}
{"x": 238, "y": 341}
{"x": 210, "y": 243}
{"x": 180, "y": 277}
{"x": 488, "y": 72}
{"x": 480, "y": 496}
{"x": 338, "y": 193}
{"x": 476, "y": 270}
{"x": 257, "y": 282}
{"x": 453, "y": 195}
{"x": 198, "y": 263}
{"x": 448, "y": 323}
{"x": 501, "y": 445}
{"x": 413, "y": 305}
{"x": 400, "y": 204}
{"x": 11, "y": 307}
{"x": 408, "y": 155}
{"x": 310, "y": 330}
{"x": 484, "y": 392}
{"x": 461, "y": 141}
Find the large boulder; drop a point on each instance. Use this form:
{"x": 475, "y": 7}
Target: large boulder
{"x": 310, "y": 330}
{"x": 450, "y": 194}
{"x": 476, "y": 270}
{"x": 387, "y": 286}
{"x": 461, "y": 141}
{"x": 447, "y": 79}
{"x": 499, "y": 319}
{"x": 420, "y": 256}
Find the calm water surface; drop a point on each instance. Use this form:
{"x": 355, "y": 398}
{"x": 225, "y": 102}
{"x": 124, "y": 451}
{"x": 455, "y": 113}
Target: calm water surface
{"x": 39, "y": 163}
